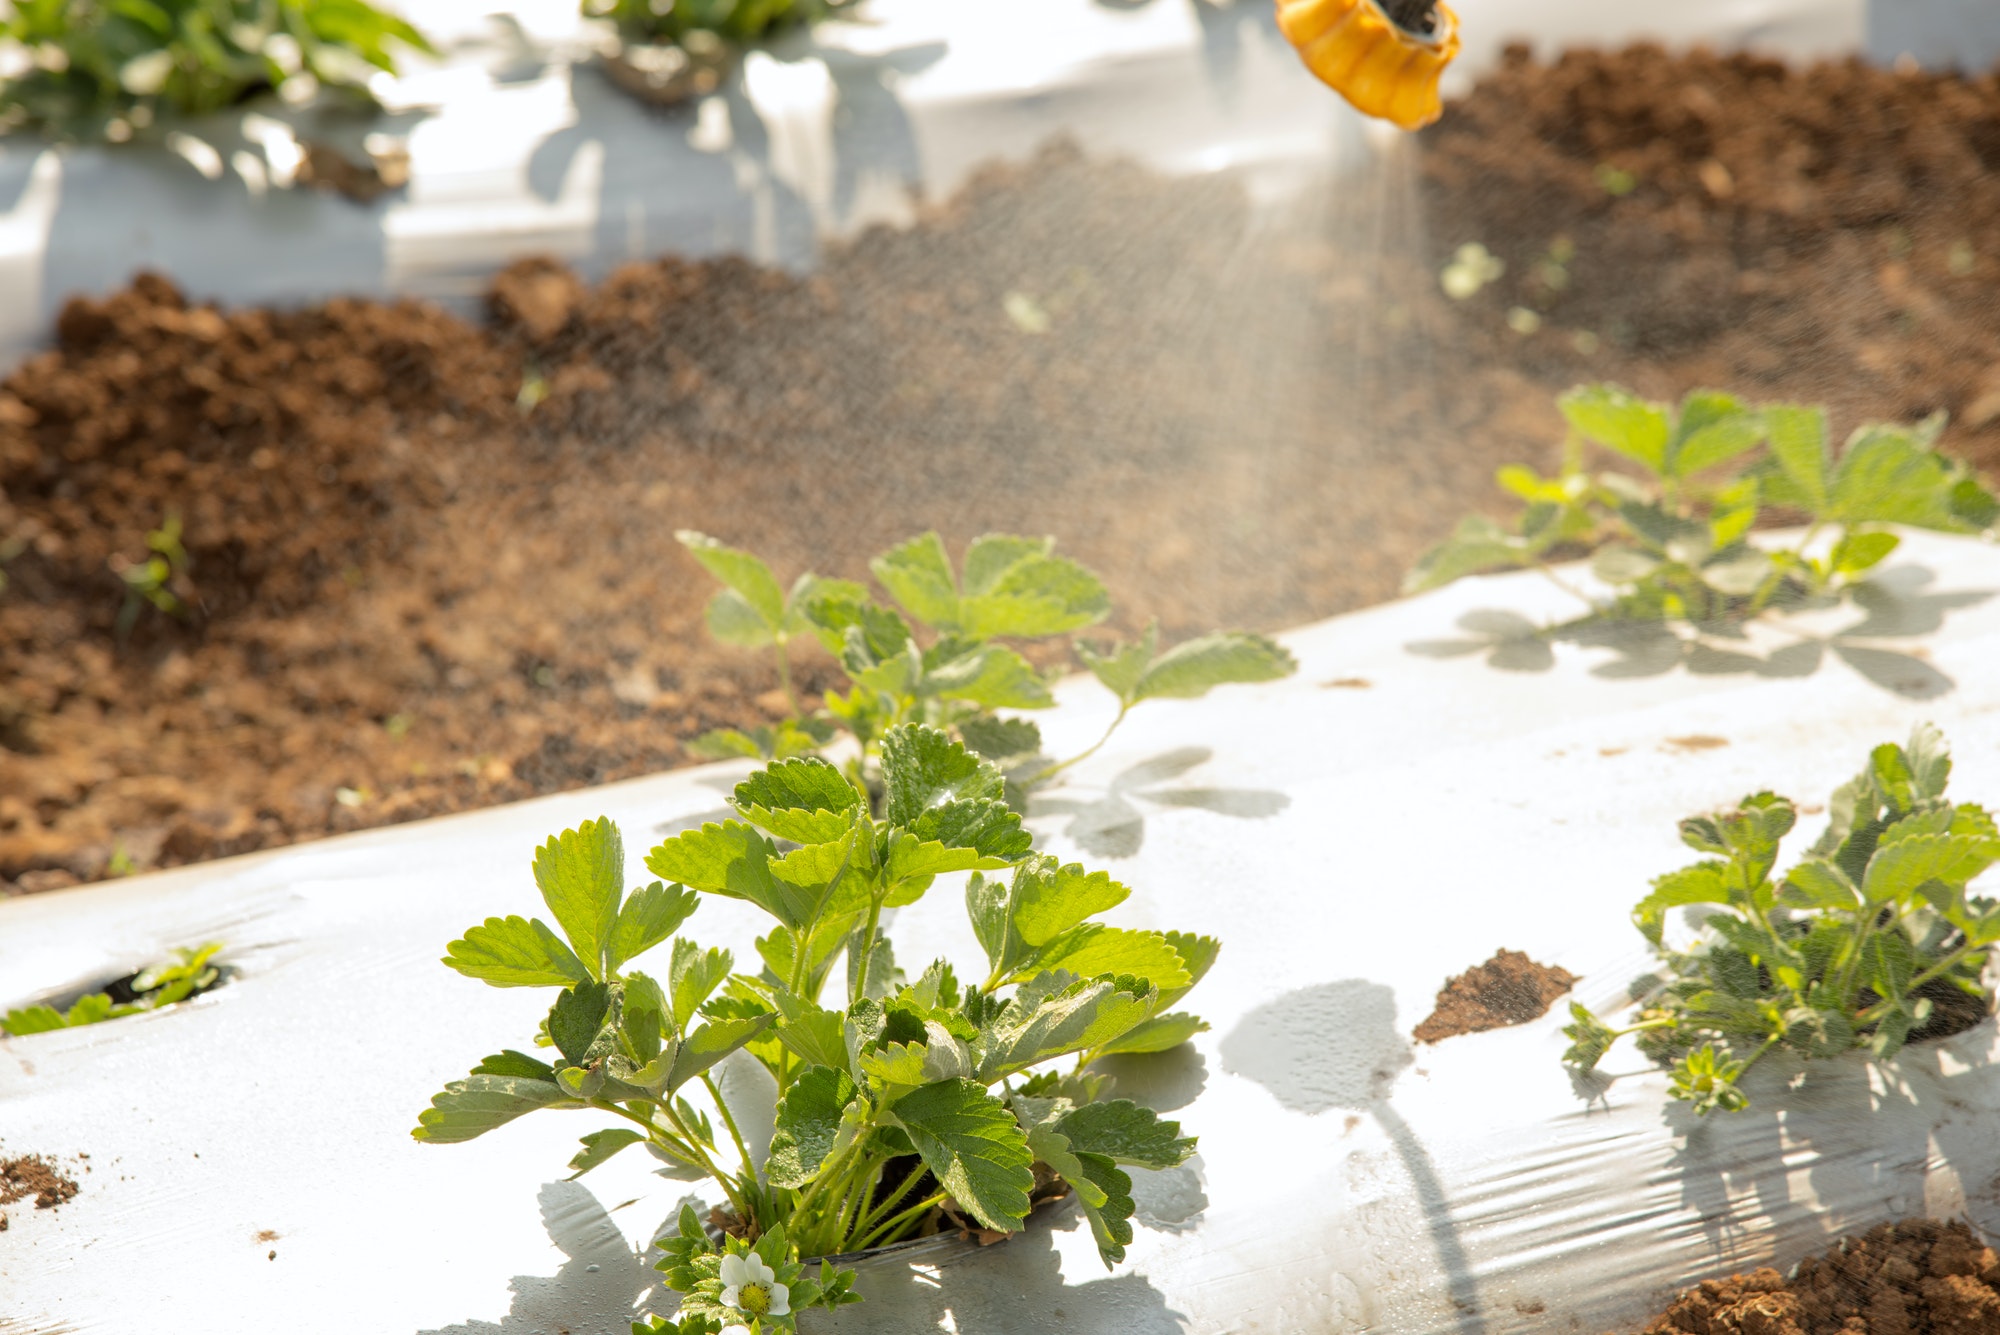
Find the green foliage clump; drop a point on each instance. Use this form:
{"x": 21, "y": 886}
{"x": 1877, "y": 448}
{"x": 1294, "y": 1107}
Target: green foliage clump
{"x": 949, "y": 670}
{"x": 105, "y": 68}
{"x": 738, "y": 21}
{"x": 162, "y": 984}
{"x": 1854, "y": 947}
{"x": 904, "y": 1102}
{"x": 1672, "y": 543}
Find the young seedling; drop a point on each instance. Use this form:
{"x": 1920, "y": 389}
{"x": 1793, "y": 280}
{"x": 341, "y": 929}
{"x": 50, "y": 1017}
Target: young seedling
{"x": 1855, "y": 947}
{"x": 110, "y": 71}
{"x": 903, "y": 1103}
{"x": 151, "y": 582}
{"x": 939, "y": 660}
{"x": 162, "y": 984}
{"x": 1672, "y": 543}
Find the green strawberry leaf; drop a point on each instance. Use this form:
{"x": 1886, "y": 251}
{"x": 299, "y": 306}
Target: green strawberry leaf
{"x": 1126, "y": 1133}
{"x": 599, "y": 1146}
{"x": 805, "y": 800}
{"x": 515, "y": 952}
{"x": 812, "y": 1125}
{"x": 976, "y": 1148}
{"x": 581, "y": 873}
{"x": 1616, "y": 420}
{"x": 917, "y": 575}
{"x": 710, "y": 1043}
{"x": 1000, "y": 739}
{"x": 475, "y": 1105}
{"x": 649, "y": 916}
{"x": 692, "y": 976}
{"x": 922, "y": 769}
{"x": 743, "y": 574}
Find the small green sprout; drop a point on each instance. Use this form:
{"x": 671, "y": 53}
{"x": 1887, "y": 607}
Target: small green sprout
{"x": 150, "y": 582}
{"x": 1857, "y": 946}
{"x": 154, "y": 987}
{"x": 1616, "y": 181}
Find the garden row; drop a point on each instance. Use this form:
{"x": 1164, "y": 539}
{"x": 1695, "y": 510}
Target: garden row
{"x": 273, "y": 574}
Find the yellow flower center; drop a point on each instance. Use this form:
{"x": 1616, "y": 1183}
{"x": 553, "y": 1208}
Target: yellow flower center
{"x": 754, "y": 1299}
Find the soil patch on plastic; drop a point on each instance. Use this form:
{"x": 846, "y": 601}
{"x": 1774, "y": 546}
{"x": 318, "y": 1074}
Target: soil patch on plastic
{"x": 1508, "y": 989}
{"x": 404, "y": 563}
{"x": 1916, "y": 1277}
{"x": 34, "y": 1176}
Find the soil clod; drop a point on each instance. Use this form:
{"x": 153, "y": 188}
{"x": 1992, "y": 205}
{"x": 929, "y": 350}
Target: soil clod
{"x": 1915, "y": 1277}
{"x": 34, "y": 1175}
{"x": 1508, "y": 989}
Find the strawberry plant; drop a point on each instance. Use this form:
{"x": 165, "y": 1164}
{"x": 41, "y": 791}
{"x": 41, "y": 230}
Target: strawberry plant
{"x": 107, "y": 70}
{"x": 162, "y": 984}
{"x": 738, "y": 21}
{"x": 1671, "y": 541}
{"x": 1866, "y": 943}
{"x": 906, "y": 1104}
{"x": 941, "y": 659}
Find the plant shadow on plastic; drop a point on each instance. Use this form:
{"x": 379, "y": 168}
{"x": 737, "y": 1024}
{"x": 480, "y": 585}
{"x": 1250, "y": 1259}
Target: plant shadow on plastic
{"x": 1871, "y": 942}
{"x": 1671, "y": 546}
{"x": 1114, "y": 825}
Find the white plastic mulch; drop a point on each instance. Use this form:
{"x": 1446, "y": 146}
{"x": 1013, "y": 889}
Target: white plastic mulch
{"x": 1352, "y": 844}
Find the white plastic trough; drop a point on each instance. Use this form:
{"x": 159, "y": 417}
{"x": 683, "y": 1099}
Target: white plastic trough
{"x": 1351, "y": 846}
{"x": 519, "y": 147}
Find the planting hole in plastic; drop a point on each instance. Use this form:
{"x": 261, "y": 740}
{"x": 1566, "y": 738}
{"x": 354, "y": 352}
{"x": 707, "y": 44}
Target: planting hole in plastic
{"x": 120, "y": 990}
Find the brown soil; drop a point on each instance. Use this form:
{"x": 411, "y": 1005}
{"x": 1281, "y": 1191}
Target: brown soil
{"x": 1917, "y": 1277}
{"x": 431, "y": 561}
{"x": 33, "y": 1175}
{"x": 1508, "y": 989}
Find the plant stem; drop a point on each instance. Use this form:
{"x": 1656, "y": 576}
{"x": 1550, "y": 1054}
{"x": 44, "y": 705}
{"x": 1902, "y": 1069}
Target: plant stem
{"x": 885, "y": 1230}
{"x": 1943, "y": 966}
{"x": 654, "y": 1131}
{"x": 1548, "y": 572}
{"x": 1124, "y": 708}
{"x": 890, "y": 1201}
{"x": 722, "y": 1179}
{"x": 730, "y": 1122}
{"x": 860, "y": 980}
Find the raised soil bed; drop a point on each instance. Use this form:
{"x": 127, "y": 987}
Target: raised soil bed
{"x": 432, "y": 564}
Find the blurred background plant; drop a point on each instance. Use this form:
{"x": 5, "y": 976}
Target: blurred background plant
{"x": 110, "y": 69}
{"x": 737, "y": 21}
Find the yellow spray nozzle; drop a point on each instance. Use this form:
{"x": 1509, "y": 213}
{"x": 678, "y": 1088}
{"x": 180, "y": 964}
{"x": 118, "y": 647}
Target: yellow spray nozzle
{"x": 1384, "y": 69}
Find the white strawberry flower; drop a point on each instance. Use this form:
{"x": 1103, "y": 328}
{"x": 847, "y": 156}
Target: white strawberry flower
{"x": 738, "y": 1329}
{"x": 751, "y": 1287}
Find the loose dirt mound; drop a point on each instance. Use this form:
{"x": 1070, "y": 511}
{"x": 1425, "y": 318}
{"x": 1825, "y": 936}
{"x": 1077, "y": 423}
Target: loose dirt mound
{"x": 1508, "y": 989}
{"x": 430, "y": 563}
{"x": 33, "y": 1175}
{"x": 1917, "y": 1277}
